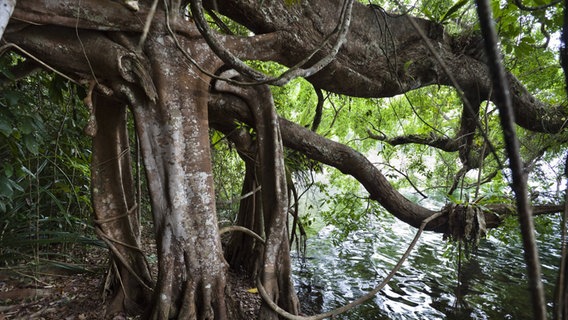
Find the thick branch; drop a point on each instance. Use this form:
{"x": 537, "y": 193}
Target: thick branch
{"x": 92, "y": 14}
{"x": 382, "y": 56}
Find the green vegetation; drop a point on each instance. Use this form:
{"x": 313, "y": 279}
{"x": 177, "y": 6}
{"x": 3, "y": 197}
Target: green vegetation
{"x": 44, "y": 168}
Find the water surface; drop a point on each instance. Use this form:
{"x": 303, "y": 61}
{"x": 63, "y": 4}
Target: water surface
{"x": 493, "y": 285}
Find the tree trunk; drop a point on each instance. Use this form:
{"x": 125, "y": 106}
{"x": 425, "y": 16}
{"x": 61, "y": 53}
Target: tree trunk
{"x": 115, "y": 210}
{"x": 174, "y": 139}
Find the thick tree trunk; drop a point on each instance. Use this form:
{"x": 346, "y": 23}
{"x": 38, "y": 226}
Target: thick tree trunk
{"x": 174, "y": 138}
{"x": 116, "y": 219}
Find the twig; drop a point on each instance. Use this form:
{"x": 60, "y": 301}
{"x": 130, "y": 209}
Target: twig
{"x": 244, "y": 196}
{"x": 34, "y": 278}
{"x": 147, "y": 24}
{"x": 109, "y": 241}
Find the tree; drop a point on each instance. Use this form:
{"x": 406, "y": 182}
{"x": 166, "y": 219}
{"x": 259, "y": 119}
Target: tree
{"x": 178, "y": 78}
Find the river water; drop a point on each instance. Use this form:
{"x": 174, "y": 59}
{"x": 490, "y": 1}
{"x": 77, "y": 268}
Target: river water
{"x": 493, "y": 281}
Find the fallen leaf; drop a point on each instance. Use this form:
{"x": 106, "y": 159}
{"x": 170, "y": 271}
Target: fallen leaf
{"x": 252, "y": 290}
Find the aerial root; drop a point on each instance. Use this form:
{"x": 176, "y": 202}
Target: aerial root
{"x": 241, "y": 229}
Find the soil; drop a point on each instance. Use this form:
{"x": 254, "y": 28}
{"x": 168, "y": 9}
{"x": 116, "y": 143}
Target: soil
{"x": 52, "y": 295}
{"x": 74, "y": 291}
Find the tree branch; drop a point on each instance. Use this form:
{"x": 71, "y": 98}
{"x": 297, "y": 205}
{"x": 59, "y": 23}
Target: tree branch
{"x": 504, "y": 103}
{"x": 443, "y": 143}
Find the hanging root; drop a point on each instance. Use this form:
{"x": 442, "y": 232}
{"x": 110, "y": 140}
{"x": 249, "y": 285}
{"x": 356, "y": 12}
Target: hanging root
{"x": 466, "y": 224}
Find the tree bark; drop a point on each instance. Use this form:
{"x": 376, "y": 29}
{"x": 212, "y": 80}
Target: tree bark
{"x": 116, "y": 211}
{"x": 383, "y": 56}
{"x": 175, "y": 143}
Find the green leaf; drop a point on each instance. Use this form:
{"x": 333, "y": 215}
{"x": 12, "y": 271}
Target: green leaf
{"x": 8, "y": 170}
{"x": 407, "y": 65}
{"x": 6, "y": 189}
{"x": 449, "y": 14}
{"x": 27, "y": 171}
{"x": 12, "y": 97}
{"x": 216, "y": 137}
{"x": 16, "y": 186}
{"x": 27, "y": 126}
{"x": 5, "y": 127}
{"x": 31, "y": 144}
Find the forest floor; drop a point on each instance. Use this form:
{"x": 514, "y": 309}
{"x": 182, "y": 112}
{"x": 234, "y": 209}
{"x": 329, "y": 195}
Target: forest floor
{"x": 74, "y": 291}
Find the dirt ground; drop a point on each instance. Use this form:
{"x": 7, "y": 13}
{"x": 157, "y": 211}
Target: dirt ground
{"x": 49, "y": 295}
{"x": 55, "y": 290}
{"x": 75, "y": 291}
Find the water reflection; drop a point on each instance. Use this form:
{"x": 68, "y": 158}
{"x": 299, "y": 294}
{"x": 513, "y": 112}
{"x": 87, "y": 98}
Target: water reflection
{"x": 493, "y": 283}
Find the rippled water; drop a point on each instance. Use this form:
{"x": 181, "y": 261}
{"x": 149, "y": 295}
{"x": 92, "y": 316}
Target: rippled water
{"x": 493, "y": 286}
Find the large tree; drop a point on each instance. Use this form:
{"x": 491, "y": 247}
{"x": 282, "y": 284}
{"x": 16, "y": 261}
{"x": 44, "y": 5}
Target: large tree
{"x": 178, "y": 77}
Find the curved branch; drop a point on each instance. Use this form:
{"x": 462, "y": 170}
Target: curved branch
{"x": 345, "y": 159}
{"x": 409, "y": 181}
{"x": 242, "y": 229}
{"x": 443, "y": 143}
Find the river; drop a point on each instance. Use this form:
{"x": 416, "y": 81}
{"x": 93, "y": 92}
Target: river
{"x": 493, "y": 285}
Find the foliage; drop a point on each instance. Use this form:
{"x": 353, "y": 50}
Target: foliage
{"x": 228, "y": 173}
{"x": 44, "y": 166}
